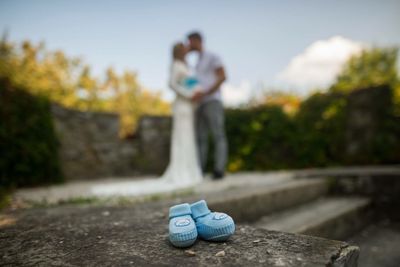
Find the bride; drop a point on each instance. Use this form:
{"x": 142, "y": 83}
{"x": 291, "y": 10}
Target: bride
{"x": 183, "y": 169}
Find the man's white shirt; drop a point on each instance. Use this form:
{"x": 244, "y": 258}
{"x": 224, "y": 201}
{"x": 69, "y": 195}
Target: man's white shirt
{"x": 205, "y": 72}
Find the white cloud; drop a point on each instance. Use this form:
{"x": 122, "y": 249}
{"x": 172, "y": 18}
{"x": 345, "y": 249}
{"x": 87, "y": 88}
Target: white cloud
{"x": 319, "y": 64}
{"x": 234, "y": 95}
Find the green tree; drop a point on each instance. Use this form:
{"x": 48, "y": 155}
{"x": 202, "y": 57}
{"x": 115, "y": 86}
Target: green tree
{"x": 289, "y": 102}
{"x": 69, "y": 82}
{"x": 372, "y": 67}
{"x": 88, "y": 88}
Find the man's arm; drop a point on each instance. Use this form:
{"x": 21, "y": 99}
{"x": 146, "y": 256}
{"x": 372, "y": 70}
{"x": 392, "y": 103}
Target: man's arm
{"x": 220, "y": 73}
{"x": 221, "y": 77}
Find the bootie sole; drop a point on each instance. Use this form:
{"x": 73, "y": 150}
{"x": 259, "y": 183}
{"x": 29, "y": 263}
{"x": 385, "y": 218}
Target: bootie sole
{"x": 222, "y": 234}
{"x": 183, "y": 239}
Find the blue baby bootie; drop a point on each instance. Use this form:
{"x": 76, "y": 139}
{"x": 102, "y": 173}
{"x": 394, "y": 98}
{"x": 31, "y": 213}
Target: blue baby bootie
{"x": 182, "y": 229}
{"x": 212, "y": 226}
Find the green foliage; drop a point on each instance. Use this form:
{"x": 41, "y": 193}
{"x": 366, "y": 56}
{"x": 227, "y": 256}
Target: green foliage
{"x": 265, "y": 137}
{"x": 5, "y": 197}
{"x": 258, "y": 138}
{"x": 289, "y": 102}
{"x": 28, "y": 145}
{"x": 372, "y": 67}
{"x": 385, "y": 144}
{"x": 319, "y": 131}
{"x": 68, "y": 81}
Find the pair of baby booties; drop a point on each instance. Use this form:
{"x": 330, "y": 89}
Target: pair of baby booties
{"x": 187, "y": 222}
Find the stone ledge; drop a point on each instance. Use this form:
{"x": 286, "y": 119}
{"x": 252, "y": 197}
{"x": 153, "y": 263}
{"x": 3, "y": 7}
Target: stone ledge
{"x": 137, "y": 236}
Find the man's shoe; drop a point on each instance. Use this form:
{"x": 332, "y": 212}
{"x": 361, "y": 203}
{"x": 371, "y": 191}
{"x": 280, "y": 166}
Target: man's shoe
{"x": 211, "y": 226}
{"x": 218, "y": 175}
{"x": 182, "y": 229}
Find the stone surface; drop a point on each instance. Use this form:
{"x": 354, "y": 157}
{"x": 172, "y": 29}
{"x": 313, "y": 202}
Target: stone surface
{"x": 253, "y": 201}
{"x": 49, "y": 236}
{"x": 153, "y": 137}
{"x": 137, "y": 236}
{"x": 365, "y": 110}
{"x": 90, "y": 146}
{"x": 83, "y": 189}
{"x": 379, "y": 245}
{"x": 383, "y": 177}
{"x": 330, "y": 217}
{"x": 351, "y": 171}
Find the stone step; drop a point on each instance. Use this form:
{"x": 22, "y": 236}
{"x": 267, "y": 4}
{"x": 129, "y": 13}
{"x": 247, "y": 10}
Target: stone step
{"x": 379, "y": 243}
{"x": 333, "y": 217}
{"x": 250, "y": 203}
{"x": 138, "y": 236}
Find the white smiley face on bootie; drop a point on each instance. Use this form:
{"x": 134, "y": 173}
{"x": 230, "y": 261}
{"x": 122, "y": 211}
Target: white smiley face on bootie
{"x": 182, "y": 222}
{"x": 219, "y": 216}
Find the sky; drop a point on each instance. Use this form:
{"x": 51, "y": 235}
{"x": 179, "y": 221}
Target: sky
{"x": 292, "y": 45}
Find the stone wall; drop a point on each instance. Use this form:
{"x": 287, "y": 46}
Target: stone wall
{"x": 91, "y": 148}
{"x": 366, "y": 110}
{"x": 152, "y": 139}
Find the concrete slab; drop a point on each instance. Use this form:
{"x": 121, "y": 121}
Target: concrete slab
{"x": 379, "y": 244}
{"x": 333, "y": 217}
{"x": 84, "y": 189}
{"x": 87, "y": 189}
{"x": 249, "y": 204}
{"x": 137, "y": 236}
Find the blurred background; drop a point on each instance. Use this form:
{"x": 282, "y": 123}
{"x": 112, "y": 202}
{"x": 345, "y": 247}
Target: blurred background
{"x": 84, "y": 84}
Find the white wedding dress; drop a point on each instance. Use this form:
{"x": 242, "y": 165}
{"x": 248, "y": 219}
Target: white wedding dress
{"x": 183, "y": 170}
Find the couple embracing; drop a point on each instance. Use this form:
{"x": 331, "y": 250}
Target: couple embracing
{"x": 197, "y": 112}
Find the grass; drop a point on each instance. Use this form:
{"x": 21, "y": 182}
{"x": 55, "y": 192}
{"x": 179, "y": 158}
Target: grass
{"x": 80, "y": 201}
{"x": 5, "y": 197}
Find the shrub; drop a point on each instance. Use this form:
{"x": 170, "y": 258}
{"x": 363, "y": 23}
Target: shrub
{"x": 318, "y": 135}
{"x": 28, "y": 144}
{"x": 259, "y": 138}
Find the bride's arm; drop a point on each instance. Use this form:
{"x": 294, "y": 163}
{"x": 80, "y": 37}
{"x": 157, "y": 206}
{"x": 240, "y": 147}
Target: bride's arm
{"x": 176, "y": 86}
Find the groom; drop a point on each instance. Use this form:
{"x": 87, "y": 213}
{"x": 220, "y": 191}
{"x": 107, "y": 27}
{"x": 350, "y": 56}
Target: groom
{"x": 210, "y": 112}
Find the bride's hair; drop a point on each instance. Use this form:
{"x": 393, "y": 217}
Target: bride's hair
{"x": 176, "y": 49}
